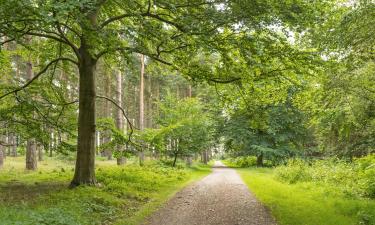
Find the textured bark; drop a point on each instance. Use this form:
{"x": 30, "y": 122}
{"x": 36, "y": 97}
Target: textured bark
{"x": 260, "y": 160}
{"x": 2, "y": 151}
{"x": 40, "y": 152}
{"x": 3, "y": 148}
{"x": 31, "y": 152}
{"x": 118, "y": 116}
{"x": 189, "y": 161}
{"x": 205, "y": 157}
{"x": 85, "y": 163}
{"x": 107, "y": 114}
{"x": 31, "y": 155}
{"x": 148, "y": 108}
{"x": 141, "y": 106}
{"x": 1, "y": 157}
{"x": 13, "y": 141}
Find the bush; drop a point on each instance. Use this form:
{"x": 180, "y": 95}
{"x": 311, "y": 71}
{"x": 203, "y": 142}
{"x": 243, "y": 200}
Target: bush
{"x": 241, "y": 162}
{"x": 356, "y": 179}
{"x": 295, "y": 171}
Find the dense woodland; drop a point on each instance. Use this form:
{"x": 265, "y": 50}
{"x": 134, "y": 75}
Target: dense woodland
{"x": 286, "y": 84}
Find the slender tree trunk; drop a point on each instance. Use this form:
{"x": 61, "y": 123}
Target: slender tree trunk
{"x": 85, "y": 163}
{"x": 190, "y": 91}
{"x": 2, "y": 151}
{"x": 3, "y": 148}
{"x": 205, "y": 156}
{"x": 107, "y": 113}
{"x": 40, "y": 152}
{"x": 31, "y": 155}
{"x": 149, "y": 103}
{"x": 31, "y": 151}
{"x": 119, "y": 117}
{"x": 175, "y": 159}
{"x": 141, "y": 107}
{"x": 189, "y": 161}
{"x": 260, "y": 160}
{"x": 1, "y": 156}
{"x": 13, "y": 141}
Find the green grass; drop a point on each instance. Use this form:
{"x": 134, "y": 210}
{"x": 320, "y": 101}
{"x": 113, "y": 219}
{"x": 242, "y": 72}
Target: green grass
{"x": 126, "y": 196}
{"x": 306, "y": 203}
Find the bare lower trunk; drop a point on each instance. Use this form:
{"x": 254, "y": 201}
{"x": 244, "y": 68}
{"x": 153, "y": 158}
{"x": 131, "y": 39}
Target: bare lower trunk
{"x": 31, "y": 152}
{"x": 205, "y": 157}
{"x": 107, "y": 113}
{"x": 119, "y": 117}
{"x": 260, "y": 160}
{"x": 175, "y": 159}
{"x": 40, "y": 153}
{"x": 141, "y": 107}
{"x": 189, "y": 161}
{"x": 13, "y": 148}
{"x": 141, "y": 156}
{"x": 31, "y": 155}
{"x": 85, "y": 163}
{"x": 1, "y": 157}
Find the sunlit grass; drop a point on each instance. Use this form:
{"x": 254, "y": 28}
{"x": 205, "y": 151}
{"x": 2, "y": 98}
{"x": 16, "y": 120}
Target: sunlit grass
{"x": 306, "y": 203}
{"x": 126, "y": 194}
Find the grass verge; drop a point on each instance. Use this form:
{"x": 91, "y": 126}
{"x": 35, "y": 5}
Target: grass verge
{"x": 306, "y": 203}
{"x": 127, "y": 194}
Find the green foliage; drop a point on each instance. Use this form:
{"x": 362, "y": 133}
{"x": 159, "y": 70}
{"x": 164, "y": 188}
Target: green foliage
{"x": 351, "y": 179}
{"x": 241, "y": 162}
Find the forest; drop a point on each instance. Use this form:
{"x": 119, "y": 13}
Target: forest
{"x": 165, "y": 112}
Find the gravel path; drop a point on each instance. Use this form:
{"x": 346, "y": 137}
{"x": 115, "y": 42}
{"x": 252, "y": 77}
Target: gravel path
{"x": 221, "y": 198}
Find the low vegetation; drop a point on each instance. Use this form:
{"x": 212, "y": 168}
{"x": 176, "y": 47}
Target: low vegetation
{"x": 322, "y": 192}
{"x": 125, "y": 194}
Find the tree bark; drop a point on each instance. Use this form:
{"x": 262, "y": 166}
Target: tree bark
{"x": 31, "y": 151}
{"x": 119, "y": 117}
{"x": 107, "y": 113}
{"x": 31, "y": 155}
{"x": 1, "y": 157}
{"x": 40, "y": 152}
{"x": 141, "y": 107}
{"x": 2, "y": 151}
{"x": 175, "y": 159}
{"x": 14, "y": 145}
{"x": 85, "y": 163}
{"x": 260, "y": 160}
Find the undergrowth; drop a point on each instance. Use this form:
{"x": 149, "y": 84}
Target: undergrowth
{"x": 42, "y": 197}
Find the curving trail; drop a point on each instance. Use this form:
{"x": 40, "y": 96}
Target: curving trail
{"x": 221, "y": 198}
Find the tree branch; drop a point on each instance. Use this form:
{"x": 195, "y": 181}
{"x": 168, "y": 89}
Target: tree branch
{"x": 215, "y": 80}
{"x": 37, "y": 76}
{"x": 123, "y": 113}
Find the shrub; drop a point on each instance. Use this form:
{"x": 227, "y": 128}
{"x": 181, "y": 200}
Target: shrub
{"x": 355, "y": 179}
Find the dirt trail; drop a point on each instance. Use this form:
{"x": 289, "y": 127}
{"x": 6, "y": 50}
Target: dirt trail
{"x": 221, "y": 198}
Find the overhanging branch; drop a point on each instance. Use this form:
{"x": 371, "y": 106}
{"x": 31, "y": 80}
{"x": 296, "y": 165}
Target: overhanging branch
{"x": 38, "y": 75}
{"x": 123, "y": 113}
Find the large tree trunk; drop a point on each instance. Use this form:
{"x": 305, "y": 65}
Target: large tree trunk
{"x": 119, "y": 116}
{"x": 85, "y": 163}
{"x": 31, "y": 151}
{"x": 141, "y": 107}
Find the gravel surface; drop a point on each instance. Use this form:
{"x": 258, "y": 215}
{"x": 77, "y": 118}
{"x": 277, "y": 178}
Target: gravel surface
{"x": 221, "y": 198}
